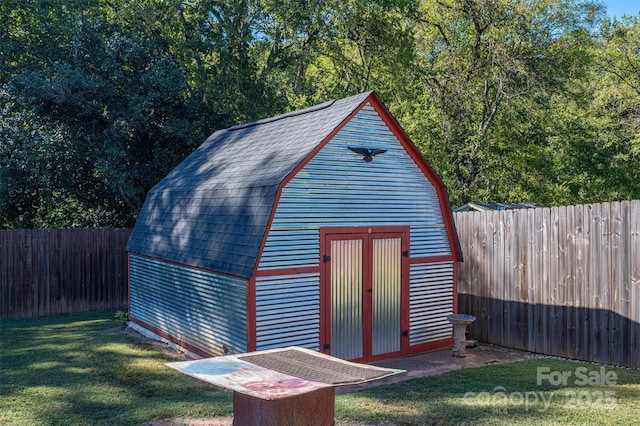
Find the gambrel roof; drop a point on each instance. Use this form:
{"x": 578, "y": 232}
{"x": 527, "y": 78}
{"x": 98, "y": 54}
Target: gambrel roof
{"x": 213, "y": 210}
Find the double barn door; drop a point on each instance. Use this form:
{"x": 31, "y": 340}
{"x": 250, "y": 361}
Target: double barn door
{"x": 364, "y": 302}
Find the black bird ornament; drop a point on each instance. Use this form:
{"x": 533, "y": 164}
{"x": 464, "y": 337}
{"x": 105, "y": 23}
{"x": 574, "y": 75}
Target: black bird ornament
{"x": 367, "y": 152}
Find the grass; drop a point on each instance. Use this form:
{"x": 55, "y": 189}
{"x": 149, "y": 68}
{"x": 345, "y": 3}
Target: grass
{"x": 84, "y": 369}
{"x": 504, "y": 394}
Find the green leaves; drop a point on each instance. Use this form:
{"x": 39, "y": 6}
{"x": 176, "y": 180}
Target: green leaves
{"x": 106, "y": 124}
{"x": 508, "y": 100}
{"x": 490, "y": 68}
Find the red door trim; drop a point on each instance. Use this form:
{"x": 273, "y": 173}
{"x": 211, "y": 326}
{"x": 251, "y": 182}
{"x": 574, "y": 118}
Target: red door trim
{"x": 366, "y": 296}
{"x": 405, "y": 298}
{"x": 367, "y": 235}
{"x": 339, "y": 230}
{"x": 405, "y": 270}
{"x": 325, "y": 281}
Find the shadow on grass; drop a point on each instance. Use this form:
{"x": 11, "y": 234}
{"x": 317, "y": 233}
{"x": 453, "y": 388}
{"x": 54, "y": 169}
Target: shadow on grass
{"x": 502, "y": 394}
{"x": 83, "y": 369}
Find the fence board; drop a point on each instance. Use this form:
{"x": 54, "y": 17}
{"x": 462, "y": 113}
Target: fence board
{"x": 532, "y": 276}
{"x": 563, "y": 281}
{"x": 580, "y": 282}
{"x": 595, "y": 266}
{"x": 556, "y": 285}
{"x": 494, "y": 310}
{"x": 478, "y": 260}
{"x": 52, "y": 271}
{"x": 510, "y": 290}
{"x": 624, "y": 306}
{"x": 568, "y": 260}
{"x": 634, "y": 290}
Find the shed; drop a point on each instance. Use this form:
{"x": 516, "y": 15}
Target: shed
{"x": 323, "y": 228}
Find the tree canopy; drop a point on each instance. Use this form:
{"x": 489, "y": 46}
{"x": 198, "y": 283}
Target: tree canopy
{"x": 509, "y": 100}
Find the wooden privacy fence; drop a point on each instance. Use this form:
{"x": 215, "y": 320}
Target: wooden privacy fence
{"x": 53, "y": 271}
{"x": 562, "y": 281}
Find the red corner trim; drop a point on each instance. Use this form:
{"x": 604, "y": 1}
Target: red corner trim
{"x": 287, "y": 271}
{"x": 128, "y": 285}
{"x": 455, "y": 287}
{"x": 433, "y": 259}
{"x": 251, "y": 315}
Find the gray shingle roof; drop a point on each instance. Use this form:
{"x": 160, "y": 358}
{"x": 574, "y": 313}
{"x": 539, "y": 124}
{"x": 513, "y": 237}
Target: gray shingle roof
{"x": 213, "y": 209}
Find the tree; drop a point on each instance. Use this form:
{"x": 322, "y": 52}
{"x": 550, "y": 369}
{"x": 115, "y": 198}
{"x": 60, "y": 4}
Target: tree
{"x": 508, "y": 100}
{"x": 616, "y": 107}
{"x": 98, "y": 130}
{"x": 93, "y": 122}
{"x": 484, "y": 64}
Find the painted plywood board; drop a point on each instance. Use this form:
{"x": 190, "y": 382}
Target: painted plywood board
{"x": 236, "y": 373}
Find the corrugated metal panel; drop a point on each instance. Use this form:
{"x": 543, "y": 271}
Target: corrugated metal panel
{"x": 386, "y": 296}
{"x": 431, "y": 294}
{"x": 288, "y": 311}
{"x": 338, "y": 188}
{"x": 204, "y": 309}
{"x": 346, "y": 299}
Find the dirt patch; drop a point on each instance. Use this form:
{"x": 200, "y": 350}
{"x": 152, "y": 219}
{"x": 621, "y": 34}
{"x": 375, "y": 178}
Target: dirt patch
{"x": 180, "y": 421}
{"x": 166, "y": 348}
{"x": 228, "y": 421}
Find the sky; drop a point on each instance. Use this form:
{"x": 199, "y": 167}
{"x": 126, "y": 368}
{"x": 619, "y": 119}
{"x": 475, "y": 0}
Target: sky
{"x": 618, "y": 8}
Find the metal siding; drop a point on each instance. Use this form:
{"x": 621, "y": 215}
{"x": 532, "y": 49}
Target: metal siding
{"x": 431, "y": 300}
{"x": 346, "y": 299}
{"x": 386, "y": 279}
{"x": 288, "y": 311}
{"x": 201, "y": 308}
{"x": 337, "y": 188}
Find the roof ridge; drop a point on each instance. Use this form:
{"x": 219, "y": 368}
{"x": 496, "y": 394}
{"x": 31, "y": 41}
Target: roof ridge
{"x": 313, "y": 108}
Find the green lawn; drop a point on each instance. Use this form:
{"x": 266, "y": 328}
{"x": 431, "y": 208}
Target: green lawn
{"x": 85, "y": 370}
{"x": 504, "y": 394}
{"x": 82, "y": 369}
